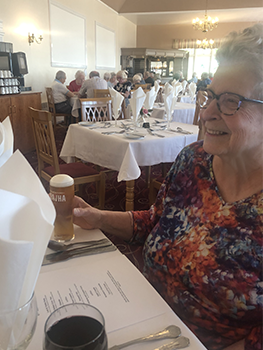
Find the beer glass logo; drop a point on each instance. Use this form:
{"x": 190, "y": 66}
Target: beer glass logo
{"x": 58, "y": 197}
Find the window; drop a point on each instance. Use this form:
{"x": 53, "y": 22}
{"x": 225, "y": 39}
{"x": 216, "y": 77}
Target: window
{"x": 200, "y": 61}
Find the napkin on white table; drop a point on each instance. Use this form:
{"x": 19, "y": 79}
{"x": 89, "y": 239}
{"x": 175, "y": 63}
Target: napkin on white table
{"x": 156, "y": 86}
{"x": 117, "y": 100}
{"x": 26, "y": 219}
{"x": 169, "y": 100}
{"x": 150, "y": 98}
{"x": 177, "y": 88}
{"x": 136, "y": 102}
{"x": 6, "y": 140}
{"x": 184, "y": 84}
{"x": 192, "y": 90}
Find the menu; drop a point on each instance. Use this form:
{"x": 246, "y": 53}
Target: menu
{"x": 113, "y": 285}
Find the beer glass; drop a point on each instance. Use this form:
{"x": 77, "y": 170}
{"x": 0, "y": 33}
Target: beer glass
{"x": 62, "y": 194}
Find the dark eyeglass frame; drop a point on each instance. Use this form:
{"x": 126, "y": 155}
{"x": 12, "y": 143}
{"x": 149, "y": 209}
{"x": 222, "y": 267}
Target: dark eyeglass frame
{"x": 217, "y": 97}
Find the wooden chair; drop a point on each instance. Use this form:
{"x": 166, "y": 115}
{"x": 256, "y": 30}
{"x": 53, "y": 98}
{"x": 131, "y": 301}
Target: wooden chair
{"x": 145, "y": 87}
{"x": 106, "y": 93}
{"x": 52, "y": 109}
{"x": 101, "y": 93}
{"x": 48, "y": 164}
{"x": 96, "y": 109}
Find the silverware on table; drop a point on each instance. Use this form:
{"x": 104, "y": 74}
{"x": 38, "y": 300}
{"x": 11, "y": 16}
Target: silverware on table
{"x": 169, "y": 332}
{"x": 73, "y": 253}
{"x": 113, "y": 132}
{"x": 154, "y": 133}
{"x": 179, "y": 343}
{"x": 181, "y": 131}
{"x": 58, "y": 246}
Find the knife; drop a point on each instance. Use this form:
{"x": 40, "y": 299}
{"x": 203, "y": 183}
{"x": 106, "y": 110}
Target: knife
{"x": 69, "y": 254}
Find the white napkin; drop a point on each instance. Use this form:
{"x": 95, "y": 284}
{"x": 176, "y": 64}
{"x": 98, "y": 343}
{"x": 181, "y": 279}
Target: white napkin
{"x": 192, "y": 90}
{"x": 156, "y": 86}
{"x": 175, "y": 82}
{"x": 117, "y": 99}
{"x": 136, "y": 102}
{"x": 177, "y": 88}
{"x": 184, "y": 84}
{"x": 26, "y": 218}
{"x": 6, "y": 140}
{"x": 150, "y": 98}
{"x": 169, "y": 100}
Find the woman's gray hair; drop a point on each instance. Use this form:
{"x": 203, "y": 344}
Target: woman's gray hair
{"x": 122, "y": 74}
{"x": 60, "y": 75}
{"x": 245, "y": 47}
{"x": 106, "y": 76}
{"x": 78, "y": 73}
{"x": 136, "y": 78}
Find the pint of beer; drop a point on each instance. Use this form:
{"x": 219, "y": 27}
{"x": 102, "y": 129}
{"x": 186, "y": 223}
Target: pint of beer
{"x": 62, "y": 194}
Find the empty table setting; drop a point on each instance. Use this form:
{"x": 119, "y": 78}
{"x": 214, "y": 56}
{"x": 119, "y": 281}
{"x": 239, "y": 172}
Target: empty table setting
{"x": 109, "y": 281}
{"x": 125, "y": 149}
{"x": 183, "y": 112}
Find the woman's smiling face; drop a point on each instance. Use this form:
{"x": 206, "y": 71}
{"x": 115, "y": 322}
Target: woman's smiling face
{"x": 241, "y": 133}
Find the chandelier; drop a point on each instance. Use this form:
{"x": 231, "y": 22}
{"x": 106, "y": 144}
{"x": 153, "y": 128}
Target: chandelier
{"x": 207, "y": 24}
{"x": 205, "y": 44}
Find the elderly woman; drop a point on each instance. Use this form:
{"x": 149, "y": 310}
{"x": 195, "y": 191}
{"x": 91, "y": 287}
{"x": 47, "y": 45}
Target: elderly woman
{"x": 136, "y": 79}
{"x": 203, "y": 236}
{"x": 123, "y": 85}
{"x": 75, "y": 85}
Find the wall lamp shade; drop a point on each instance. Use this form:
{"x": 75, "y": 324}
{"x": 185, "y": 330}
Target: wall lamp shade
{"x": 33, "y": 39}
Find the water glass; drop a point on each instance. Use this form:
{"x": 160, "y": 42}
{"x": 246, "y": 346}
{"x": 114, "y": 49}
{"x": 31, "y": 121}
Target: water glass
{"x": 17, "y": 326}
{"x": 76, "y": 327}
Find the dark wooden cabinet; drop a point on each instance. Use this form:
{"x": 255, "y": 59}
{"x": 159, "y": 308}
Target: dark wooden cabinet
{"x": 16, "y": 107}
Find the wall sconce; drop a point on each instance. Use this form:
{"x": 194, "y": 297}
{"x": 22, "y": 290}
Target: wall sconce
{"x": 32, "y": 38}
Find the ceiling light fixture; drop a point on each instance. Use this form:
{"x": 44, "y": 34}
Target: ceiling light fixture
{"x": 205, "y": 44}
{"x": 207, "y": 24}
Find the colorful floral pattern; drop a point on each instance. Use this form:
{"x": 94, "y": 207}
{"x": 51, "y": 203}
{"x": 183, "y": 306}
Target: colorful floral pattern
{"x": 203, "y": 255}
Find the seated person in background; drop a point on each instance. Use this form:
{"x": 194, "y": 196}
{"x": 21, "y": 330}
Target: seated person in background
{"x": 202, "y": 84}
{"x": 123, "y": 86}
{"x": 136, "y": 80}
{"x": 203, "y": 236}
{"x": 76, "y": 84}
{"x": 94, "y": 82}
{"x": 152, "y": 75}
{"x": 142, "y": 79}
{"x": 113, "y": 80}
{"x": 148, "y": 79}
{"x": 106, "y": 77}
{"x": 211, "y": 76}
{"x": 61, "y": 94}
{"x": 194, "y": 79}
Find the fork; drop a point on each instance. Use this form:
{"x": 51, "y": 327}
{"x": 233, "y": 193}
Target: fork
{"x": 153, "y": 133}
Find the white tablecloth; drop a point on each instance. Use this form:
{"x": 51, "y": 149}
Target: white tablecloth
{"x": 187, "y": 99}
{"x": 80, "y": 277}
{"x": 75, "y": 103}
{"x": 183, "y": 112}
{"x": 119, "y": 153}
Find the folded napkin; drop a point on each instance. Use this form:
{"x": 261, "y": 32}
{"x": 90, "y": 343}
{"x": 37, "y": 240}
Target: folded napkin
{"x": 136, "y": 102}
{"x": 6, "y": 140}
{"x": 117, "y": 99}
{"x": 150, "y": 98}
{"x": 175, "y": 82}
{"x": 169, "y": 100}
{"x": 184, "y": 85}
{"x": 26, "y": 218}
{"x": 177, "y": 89}
{"x": 192, "y": 90}
{"x": 156, "y": 86}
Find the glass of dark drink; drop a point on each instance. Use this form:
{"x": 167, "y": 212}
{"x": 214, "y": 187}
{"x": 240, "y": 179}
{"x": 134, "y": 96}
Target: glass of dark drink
{"x": 75, "y": 327}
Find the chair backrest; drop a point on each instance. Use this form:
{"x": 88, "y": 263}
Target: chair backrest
{"x": 145, "y": 87}
{"x": 44, "y": 139}
{"x": 101, "y": 93}
{"x": 96, "y": 109}
{"x": 50, "y": 101}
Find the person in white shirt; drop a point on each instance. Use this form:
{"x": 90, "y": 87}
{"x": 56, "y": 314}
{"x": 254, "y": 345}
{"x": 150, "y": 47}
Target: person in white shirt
{"x": 61, "y": 94}
{"x": 95, "y": 82}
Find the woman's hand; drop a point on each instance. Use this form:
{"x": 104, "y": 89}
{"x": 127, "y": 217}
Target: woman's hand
{"x": 84, "y": 215}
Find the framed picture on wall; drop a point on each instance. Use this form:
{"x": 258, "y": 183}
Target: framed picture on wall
{"x": 105, "y": 47}
{"x": 67, "y": 37}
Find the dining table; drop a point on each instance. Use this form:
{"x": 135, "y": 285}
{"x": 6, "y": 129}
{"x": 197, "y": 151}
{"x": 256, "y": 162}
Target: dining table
{"x": 125, "y": 151}
{"x": 131, "y": 307}
{"x": 183, "y": 112}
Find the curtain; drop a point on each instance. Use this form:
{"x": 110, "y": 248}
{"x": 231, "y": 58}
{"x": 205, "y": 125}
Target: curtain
{"x": 191, "y": 43}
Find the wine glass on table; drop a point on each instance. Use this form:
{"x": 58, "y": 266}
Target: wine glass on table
{"x": 76, "y": 326}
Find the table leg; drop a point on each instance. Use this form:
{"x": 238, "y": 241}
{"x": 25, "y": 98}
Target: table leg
{"x": 129, "y": 195}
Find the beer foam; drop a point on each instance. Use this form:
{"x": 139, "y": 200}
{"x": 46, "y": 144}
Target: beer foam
{"x": 61, "y": 180}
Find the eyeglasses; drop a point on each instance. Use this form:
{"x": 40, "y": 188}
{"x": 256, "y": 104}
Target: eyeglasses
{"x": 228, "y": 103}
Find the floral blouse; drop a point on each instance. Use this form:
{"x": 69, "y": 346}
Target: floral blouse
{"x": 203, "y": 255}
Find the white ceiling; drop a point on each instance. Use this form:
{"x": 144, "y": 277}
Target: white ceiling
{"x": 184, "y": 17}
{"x": 165, "y": 12}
